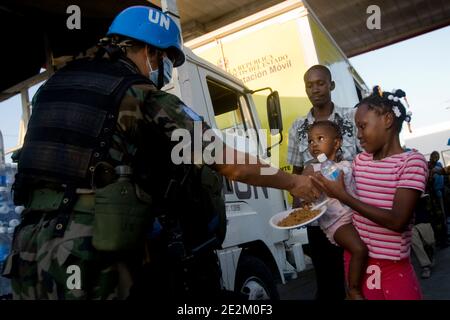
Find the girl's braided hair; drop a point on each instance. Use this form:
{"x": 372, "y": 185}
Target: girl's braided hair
{"x": 383, "y": 102}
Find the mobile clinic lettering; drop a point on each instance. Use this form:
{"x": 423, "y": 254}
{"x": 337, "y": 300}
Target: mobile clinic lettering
{"x": 261, "y": 67}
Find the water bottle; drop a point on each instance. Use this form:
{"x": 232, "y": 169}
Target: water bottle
{"x": 4, "y": 202}
{"x": 5, "y": 243}
{"x": 2, "y": 150}
{"x": 328, "y": 168}
{"x": 5, "y": 247}
{"x": 8, "y": 211}
{"x": 10, "y": 172}
{"x": 2, "y": 175}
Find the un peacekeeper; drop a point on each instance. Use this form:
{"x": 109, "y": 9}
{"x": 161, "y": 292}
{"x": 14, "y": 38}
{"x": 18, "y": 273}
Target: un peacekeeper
{"x": 99, "y": 141}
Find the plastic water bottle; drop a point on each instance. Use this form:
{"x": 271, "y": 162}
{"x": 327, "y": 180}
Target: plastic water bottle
{"x": 4, "y": 201}
{"x": 5, "y": 247}
{"x": 2, "y": 150}
{"x": 8, "y": 211}
{"x": 10, "y": 172}
{"x": 2, "y": 175}
{"x": 5, "y": 243}
{"x": 2, "y": 162}
{"x": 328, "y": 168}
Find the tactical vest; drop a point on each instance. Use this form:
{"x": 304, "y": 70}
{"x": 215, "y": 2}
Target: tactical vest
{"x": 70, "y": 132}
{"x": 73, "y": 119}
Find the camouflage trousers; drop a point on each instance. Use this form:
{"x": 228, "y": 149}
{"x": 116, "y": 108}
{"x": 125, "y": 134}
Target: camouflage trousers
{"x": 42, "y": 266}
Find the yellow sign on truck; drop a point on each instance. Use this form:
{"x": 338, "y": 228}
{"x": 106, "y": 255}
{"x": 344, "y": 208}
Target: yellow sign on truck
{"x": 274, "y": 48}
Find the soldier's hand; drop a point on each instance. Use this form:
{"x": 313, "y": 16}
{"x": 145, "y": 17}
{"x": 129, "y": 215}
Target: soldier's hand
{"x": 304, "y": 188}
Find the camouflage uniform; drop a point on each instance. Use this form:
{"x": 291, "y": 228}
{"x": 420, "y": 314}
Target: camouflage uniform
{"x": 38, "y": 265}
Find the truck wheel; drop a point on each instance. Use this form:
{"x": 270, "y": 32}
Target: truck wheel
{"x": 255, "y": 280}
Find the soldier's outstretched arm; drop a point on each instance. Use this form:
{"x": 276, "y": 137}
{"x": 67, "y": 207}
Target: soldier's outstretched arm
{"x": 248, "y": 169}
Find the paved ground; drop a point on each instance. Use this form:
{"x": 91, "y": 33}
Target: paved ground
{"x": 437, "y": 287}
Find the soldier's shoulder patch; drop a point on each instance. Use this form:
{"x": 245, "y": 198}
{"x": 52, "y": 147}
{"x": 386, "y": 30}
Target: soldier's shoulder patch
{"x": 191, "y": 113}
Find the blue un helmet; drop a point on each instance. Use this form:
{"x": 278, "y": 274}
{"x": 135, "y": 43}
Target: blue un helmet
{"x": 150, "y": 26}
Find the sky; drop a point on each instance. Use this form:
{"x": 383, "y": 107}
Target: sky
{"x": 420, "y": 66}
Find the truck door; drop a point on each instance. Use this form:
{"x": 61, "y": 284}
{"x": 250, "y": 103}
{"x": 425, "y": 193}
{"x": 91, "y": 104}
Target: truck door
{"x": 249, "y": 208}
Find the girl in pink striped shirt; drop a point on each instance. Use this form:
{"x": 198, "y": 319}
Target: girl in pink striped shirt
{"x": 388, "y": 182}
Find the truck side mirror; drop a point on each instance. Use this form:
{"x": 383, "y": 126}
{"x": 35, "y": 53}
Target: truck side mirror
{"x": 274, "y": 117}
{"x": 274, "y": 112}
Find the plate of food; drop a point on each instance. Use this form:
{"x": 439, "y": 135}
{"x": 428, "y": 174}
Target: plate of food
{"x": 298, "y": 217}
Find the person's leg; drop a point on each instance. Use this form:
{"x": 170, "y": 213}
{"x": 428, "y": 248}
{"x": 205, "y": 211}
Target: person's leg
{"x": 427, "y": 233}
{"x": 418, "y": 248}
{"x": 23, "y": 268}
{"x": 399, "y": 281}
{"x": 328, "y": 263}
{"x": 347, "y": 237}
{"x": 65, "y": 268}
{"x": 371, "y": 284}
{"x": 443, "y": 218}
{"x": 205, "y": 278}
{"x": 429, "y": 241}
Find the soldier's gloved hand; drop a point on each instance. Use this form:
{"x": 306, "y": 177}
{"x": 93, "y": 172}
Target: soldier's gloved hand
{"x": 303, "y": 188}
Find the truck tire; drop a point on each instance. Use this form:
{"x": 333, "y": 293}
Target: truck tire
{"x": 255, "y": 280}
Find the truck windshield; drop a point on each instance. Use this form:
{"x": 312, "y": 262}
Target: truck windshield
{"x": 231, "y": 108}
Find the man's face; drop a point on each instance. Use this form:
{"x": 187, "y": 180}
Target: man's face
{"x": 318, "y": 87}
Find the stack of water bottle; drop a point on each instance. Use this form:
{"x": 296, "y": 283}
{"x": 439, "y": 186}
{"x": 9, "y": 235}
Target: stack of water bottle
{"x": 9, "y": 219}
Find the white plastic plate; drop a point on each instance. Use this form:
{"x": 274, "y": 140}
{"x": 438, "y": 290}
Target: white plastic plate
{"x": 281, "y": 215}
{"x": 317, "y": 206}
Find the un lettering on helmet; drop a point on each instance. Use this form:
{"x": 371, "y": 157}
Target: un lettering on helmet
{"x": 159, "y": 18}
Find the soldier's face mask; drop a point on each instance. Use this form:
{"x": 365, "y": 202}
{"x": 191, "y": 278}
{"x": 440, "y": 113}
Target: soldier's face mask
{"x": 153, "y": 74}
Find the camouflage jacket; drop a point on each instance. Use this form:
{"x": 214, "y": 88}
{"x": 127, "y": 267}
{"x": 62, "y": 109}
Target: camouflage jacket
{"x": 41, "y": 265}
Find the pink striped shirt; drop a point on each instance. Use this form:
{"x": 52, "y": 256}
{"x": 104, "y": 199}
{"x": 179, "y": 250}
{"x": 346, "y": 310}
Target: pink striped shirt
{"x": 376, "y": 182}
